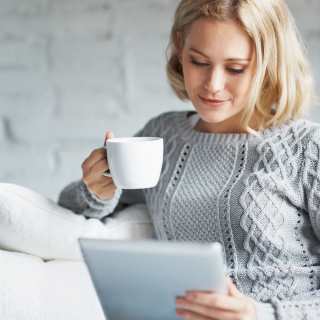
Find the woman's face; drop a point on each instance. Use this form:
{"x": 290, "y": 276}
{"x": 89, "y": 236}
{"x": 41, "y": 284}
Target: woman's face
{"x": 218, "y": 67}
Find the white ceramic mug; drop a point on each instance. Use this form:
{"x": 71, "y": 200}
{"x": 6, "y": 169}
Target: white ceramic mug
{"x": 135, "y": 162}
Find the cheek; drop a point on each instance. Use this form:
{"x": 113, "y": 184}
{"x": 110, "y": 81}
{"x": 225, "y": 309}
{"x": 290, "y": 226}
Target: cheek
{"x": 193, "y": 79}
{"x": 240, "y": 88}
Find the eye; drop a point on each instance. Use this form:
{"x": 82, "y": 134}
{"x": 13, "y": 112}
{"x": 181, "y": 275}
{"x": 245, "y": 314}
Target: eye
{"x": 235, "y": 71}
{"x": 197, "y": 63}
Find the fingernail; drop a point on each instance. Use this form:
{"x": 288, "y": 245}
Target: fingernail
{"x": 106, "y": 137}
{"x": 179, "y": 302}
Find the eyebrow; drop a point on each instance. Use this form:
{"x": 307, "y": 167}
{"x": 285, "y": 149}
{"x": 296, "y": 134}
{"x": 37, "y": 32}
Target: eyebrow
{"x": 229, "y": 59}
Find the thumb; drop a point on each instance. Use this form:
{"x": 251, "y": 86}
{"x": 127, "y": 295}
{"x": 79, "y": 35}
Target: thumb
{"x": 108, "y": 135}
{"x": 232, "y": 289}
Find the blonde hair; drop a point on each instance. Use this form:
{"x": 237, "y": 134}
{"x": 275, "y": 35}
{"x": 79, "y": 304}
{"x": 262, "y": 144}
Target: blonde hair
{"x": 282, "y": 87}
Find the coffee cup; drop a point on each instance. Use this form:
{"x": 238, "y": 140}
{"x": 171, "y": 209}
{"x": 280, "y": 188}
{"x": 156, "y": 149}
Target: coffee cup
{"x": 135, "y": 162}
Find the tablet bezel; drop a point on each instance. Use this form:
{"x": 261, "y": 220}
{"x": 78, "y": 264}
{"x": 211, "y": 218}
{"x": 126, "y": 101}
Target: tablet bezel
{"x": 205, "y": 261}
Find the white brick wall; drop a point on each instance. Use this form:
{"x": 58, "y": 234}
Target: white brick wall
{"x": 70, "y": 69}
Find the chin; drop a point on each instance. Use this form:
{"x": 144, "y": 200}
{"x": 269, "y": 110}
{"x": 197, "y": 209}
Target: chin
{"x": 211, "y": 117}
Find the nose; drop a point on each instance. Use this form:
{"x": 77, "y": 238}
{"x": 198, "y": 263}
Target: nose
{"x": 215, "y": 80}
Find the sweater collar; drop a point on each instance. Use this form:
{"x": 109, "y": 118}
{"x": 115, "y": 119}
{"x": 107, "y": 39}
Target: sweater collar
{"x": 185, "y": 126}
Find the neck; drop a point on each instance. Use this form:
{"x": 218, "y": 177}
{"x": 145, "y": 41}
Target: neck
{"x": 228, "y": 126}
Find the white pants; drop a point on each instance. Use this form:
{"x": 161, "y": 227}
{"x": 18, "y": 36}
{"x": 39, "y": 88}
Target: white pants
{"x": 31, "y": 223}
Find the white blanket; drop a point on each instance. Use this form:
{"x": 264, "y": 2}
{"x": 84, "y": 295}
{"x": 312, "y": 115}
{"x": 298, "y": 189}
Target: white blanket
{"x": 33, "y": 224}
{"x": 37, "y": 230}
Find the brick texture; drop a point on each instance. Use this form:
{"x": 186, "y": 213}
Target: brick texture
{"x": 71, "y": 69}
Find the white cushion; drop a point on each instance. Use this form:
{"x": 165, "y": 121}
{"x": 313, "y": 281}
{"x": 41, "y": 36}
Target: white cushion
{"x": 33, "y": 224}
{"x": 31, "y": 289}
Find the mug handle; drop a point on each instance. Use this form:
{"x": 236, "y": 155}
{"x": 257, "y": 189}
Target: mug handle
{"x": 107, "y": 173}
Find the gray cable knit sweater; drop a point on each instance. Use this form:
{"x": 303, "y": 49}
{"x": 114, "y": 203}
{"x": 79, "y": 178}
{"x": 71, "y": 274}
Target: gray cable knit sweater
{"x": 257, "y": 195}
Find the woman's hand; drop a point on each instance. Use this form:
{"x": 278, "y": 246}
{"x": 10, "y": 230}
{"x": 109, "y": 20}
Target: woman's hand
{"x": 92, "y": 173}
{"x": 199, "y": 305}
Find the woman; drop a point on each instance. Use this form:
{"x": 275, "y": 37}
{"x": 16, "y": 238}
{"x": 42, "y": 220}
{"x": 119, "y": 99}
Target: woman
{"x": 243, "y": 169}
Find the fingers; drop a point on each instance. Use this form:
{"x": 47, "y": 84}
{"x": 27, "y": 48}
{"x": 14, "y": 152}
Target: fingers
{"x": 103, "y": 187}
{"x": 200, "y": 305}
{"x": 103, "y": 190}
{"x": 197, "y": 311}
{"x": 97, "y": 183}
{"x": 192, "y": 315}
{"x": 232, "y": 289}
{"x": 218, "y": 301}
{"x": 108, "y": 135}
{"x": 95, "y": 156}
{"x": 92, "y": 171}
{"x": 96, "y": 171}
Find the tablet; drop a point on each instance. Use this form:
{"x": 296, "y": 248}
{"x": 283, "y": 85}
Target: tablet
{"x": 139, "y": 280}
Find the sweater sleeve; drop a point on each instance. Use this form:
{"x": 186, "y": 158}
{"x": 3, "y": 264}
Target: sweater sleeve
{"x": 311, "y": 179}
{"x": 265, "y": 311}
{"x": 305, "y": 306}
{"x": 78, "y": 198}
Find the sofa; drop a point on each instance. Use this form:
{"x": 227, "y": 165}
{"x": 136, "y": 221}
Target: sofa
{"x": 42, "y": 273}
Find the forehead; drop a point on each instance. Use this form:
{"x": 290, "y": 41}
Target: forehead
{"x": 216, "y": 38}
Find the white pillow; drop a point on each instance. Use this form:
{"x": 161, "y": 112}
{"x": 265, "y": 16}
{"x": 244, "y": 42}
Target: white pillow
{"x": 33, "y": 224}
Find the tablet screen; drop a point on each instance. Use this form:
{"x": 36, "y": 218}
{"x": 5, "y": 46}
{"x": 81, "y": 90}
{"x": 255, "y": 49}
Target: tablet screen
{"x": 137, "y": 280}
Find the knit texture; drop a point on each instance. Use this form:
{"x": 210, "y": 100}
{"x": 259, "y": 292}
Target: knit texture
{"x": 258, "y": 195}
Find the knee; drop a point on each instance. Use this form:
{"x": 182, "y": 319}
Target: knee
{"x": 9, "y": 188}
{"x": 15, "y": 199}
{"x": 10, "y": 192}
{"x": 6, "y": 192}
{"x": 6, "y": 205}
{"x": 16, "y": 192}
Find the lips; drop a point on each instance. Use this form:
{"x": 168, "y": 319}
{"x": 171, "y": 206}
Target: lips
{"x": 213, "y": 100}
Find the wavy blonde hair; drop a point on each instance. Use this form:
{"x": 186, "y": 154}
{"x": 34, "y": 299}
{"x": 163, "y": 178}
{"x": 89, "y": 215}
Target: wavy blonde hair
{"x": 282, "y": 87}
